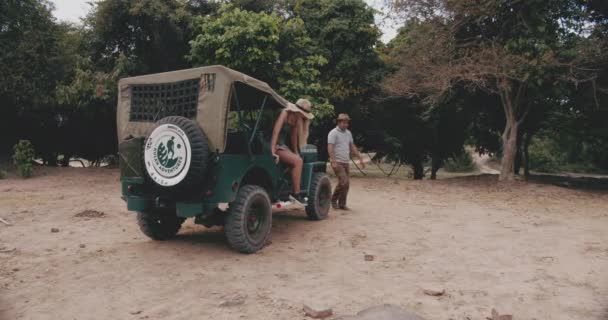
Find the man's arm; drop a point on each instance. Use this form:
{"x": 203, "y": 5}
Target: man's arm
{"x": 332, "y": 154}
{"x": 331, "y": 142}
{"x": 355, "y": 151}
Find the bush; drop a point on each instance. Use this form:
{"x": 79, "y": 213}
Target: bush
{"x": 2, "y": 174}
{"x": 460, "y": 163}
{"x": 550, "y": 154}
{"x": 23, "y": 157}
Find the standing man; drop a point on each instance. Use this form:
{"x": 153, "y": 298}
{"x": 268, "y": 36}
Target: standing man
{"x": 340, "y": 146}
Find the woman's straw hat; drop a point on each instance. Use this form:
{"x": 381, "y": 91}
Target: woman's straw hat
{"x": 302, "y": 106}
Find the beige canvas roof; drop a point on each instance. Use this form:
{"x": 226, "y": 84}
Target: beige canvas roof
{"x": 213, "y": 105}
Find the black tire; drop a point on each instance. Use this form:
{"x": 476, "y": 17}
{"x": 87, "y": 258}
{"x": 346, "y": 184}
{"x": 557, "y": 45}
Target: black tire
{"x": 249, "y": 220}
{"x": 319, "y": 197}
{"x": 199, "y": 145}
{"x": 159, "y": 225}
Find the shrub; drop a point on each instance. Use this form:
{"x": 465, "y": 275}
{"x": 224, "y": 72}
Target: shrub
{"x": 2, "y": 174}
{"x": 460, "y": 163}
{"x": 543, "y": 155}
{"x": 23, "y": 157}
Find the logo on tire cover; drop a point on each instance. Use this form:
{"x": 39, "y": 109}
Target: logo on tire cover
{"x": 167, "y": 155}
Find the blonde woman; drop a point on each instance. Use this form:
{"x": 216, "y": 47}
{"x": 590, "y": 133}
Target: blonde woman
{"x": 290, "y": 133}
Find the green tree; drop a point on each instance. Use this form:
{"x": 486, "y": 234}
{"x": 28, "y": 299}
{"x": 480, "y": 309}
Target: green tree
{"x": 345, "y": 33}
{"x": 29, "y": 65}
{"x": 465, "y": 43}
{"x": 266, "y": 46}
{"x": 154, "y": 34}
{"x": 23, "y": 157}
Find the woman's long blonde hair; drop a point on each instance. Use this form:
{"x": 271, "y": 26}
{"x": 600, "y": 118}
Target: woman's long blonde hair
{"x": 303, "y": 131}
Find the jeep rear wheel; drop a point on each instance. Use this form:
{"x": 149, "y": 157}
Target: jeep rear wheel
{"x": 319, "y": 197}
{"x": 176, "y": 153}
{"x": 249, "y": 220}
{"x": 159, "y": 224}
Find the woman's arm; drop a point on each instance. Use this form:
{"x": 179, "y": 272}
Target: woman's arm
{"x": 275, "y": 131}
{"x": 294, "y": 136}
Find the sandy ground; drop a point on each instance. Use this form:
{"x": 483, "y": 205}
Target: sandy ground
{"x": 534, "y": 251}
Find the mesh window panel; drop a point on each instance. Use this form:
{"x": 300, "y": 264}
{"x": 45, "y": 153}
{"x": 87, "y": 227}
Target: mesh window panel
{"x": 152, "y": 102}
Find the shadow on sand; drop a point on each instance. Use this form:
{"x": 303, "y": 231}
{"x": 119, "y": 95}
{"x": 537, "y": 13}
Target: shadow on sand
{"x": 283, "y": 223}
{"x": 573, "y": 182}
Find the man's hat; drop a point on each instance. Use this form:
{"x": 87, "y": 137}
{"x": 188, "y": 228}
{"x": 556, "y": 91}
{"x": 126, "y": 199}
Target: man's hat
{"x": 343, "y": 117}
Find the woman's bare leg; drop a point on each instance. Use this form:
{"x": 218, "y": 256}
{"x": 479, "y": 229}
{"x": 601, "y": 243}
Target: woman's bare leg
{"x": 295, "y": 162}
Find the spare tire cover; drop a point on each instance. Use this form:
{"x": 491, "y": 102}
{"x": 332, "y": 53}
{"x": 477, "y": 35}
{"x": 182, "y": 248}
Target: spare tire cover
{"x": 176, "y": 152}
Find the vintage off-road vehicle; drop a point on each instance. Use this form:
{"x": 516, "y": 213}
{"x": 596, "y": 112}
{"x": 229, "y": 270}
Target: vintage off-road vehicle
{"x": 196, "y": 144}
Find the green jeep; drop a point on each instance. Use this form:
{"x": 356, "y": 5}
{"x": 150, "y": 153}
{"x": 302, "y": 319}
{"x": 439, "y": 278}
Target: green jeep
{"x": 196, "y": 144}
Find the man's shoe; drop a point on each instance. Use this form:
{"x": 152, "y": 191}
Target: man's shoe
{"x": 345, "y": 208}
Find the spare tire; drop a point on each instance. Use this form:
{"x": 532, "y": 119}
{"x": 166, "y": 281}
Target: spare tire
{"x": 176, "y": 153}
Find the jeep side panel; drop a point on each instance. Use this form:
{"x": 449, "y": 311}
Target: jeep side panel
{"x": 228, "y": 173}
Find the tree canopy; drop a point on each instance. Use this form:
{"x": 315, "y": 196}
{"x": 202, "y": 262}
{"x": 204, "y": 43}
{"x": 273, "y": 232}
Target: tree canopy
{"x": 525, "y": 81}
{"x": 510, "y": 49}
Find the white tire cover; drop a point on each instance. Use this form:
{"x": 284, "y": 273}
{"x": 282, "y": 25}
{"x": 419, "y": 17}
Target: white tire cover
{"x": 167, "y": 155}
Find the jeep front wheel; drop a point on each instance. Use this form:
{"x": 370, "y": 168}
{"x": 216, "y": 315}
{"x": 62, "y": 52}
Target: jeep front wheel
{"x": 249, "y": 220}
{"x": 319, "y": 197}
{"x": 159, "y": 224}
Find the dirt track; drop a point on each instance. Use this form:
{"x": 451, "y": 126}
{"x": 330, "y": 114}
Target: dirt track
{"x": 540, "y": 252}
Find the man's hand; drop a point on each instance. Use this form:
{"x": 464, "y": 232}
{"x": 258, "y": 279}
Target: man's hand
{"x": 334, "y": 164}
{"x": 276, "y": 158}
{"x": 361, "y": 163}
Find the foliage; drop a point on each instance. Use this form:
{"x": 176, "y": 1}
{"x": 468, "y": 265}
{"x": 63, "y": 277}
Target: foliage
{"x": 345, "y": 33}
{"x": 257, "y": 6}
{"x": 568, "y": 150}
{"x": 152, "y": 33}
{"x": 23, "y": 157}
{"x": 463, "y": 43}
{"x": 242, "y": 40}
{"x": 463, "y": 162}
{"x": 265, "y": 46}
{"x": 2, "y": 174}
{"x": 28, "y": 63}
{"x": 453, "y": 74}
{"x": 408, "y": 131}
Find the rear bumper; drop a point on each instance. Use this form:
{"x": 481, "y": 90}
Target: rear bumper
{"x": 135, "y": 203}
{"x": 185, "y": 209}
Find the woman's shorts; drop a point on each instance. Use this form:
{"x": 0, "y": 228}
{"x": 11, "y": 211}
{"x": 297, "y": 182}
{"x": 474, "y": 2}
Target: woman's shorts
{"x": 283, "y": 147}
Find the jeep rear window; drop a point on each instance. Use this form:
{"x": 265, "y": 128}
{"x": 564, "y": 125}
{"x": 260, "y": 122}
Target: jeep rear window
{"x": 152, "y": 102}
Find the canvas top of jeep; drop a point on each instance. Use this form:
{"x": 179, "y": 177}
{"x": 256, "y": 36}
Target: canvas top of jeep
{"x": 202, "y": 94}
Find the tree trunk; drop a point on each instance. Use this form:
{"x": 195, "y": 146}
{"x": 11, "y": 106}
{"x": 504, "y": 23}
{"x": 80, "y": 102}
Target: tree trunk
{"x": 526, "y": 143}
{"x": 66, "y": 160}
{"x": 50, "y": 159}
{"x": 436, "y": 165}
{"x": 518, "y": 156}
{"x": 514, "y": 115}
{"x": 509, "y": 151}
{"x": 418, "y": 170}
